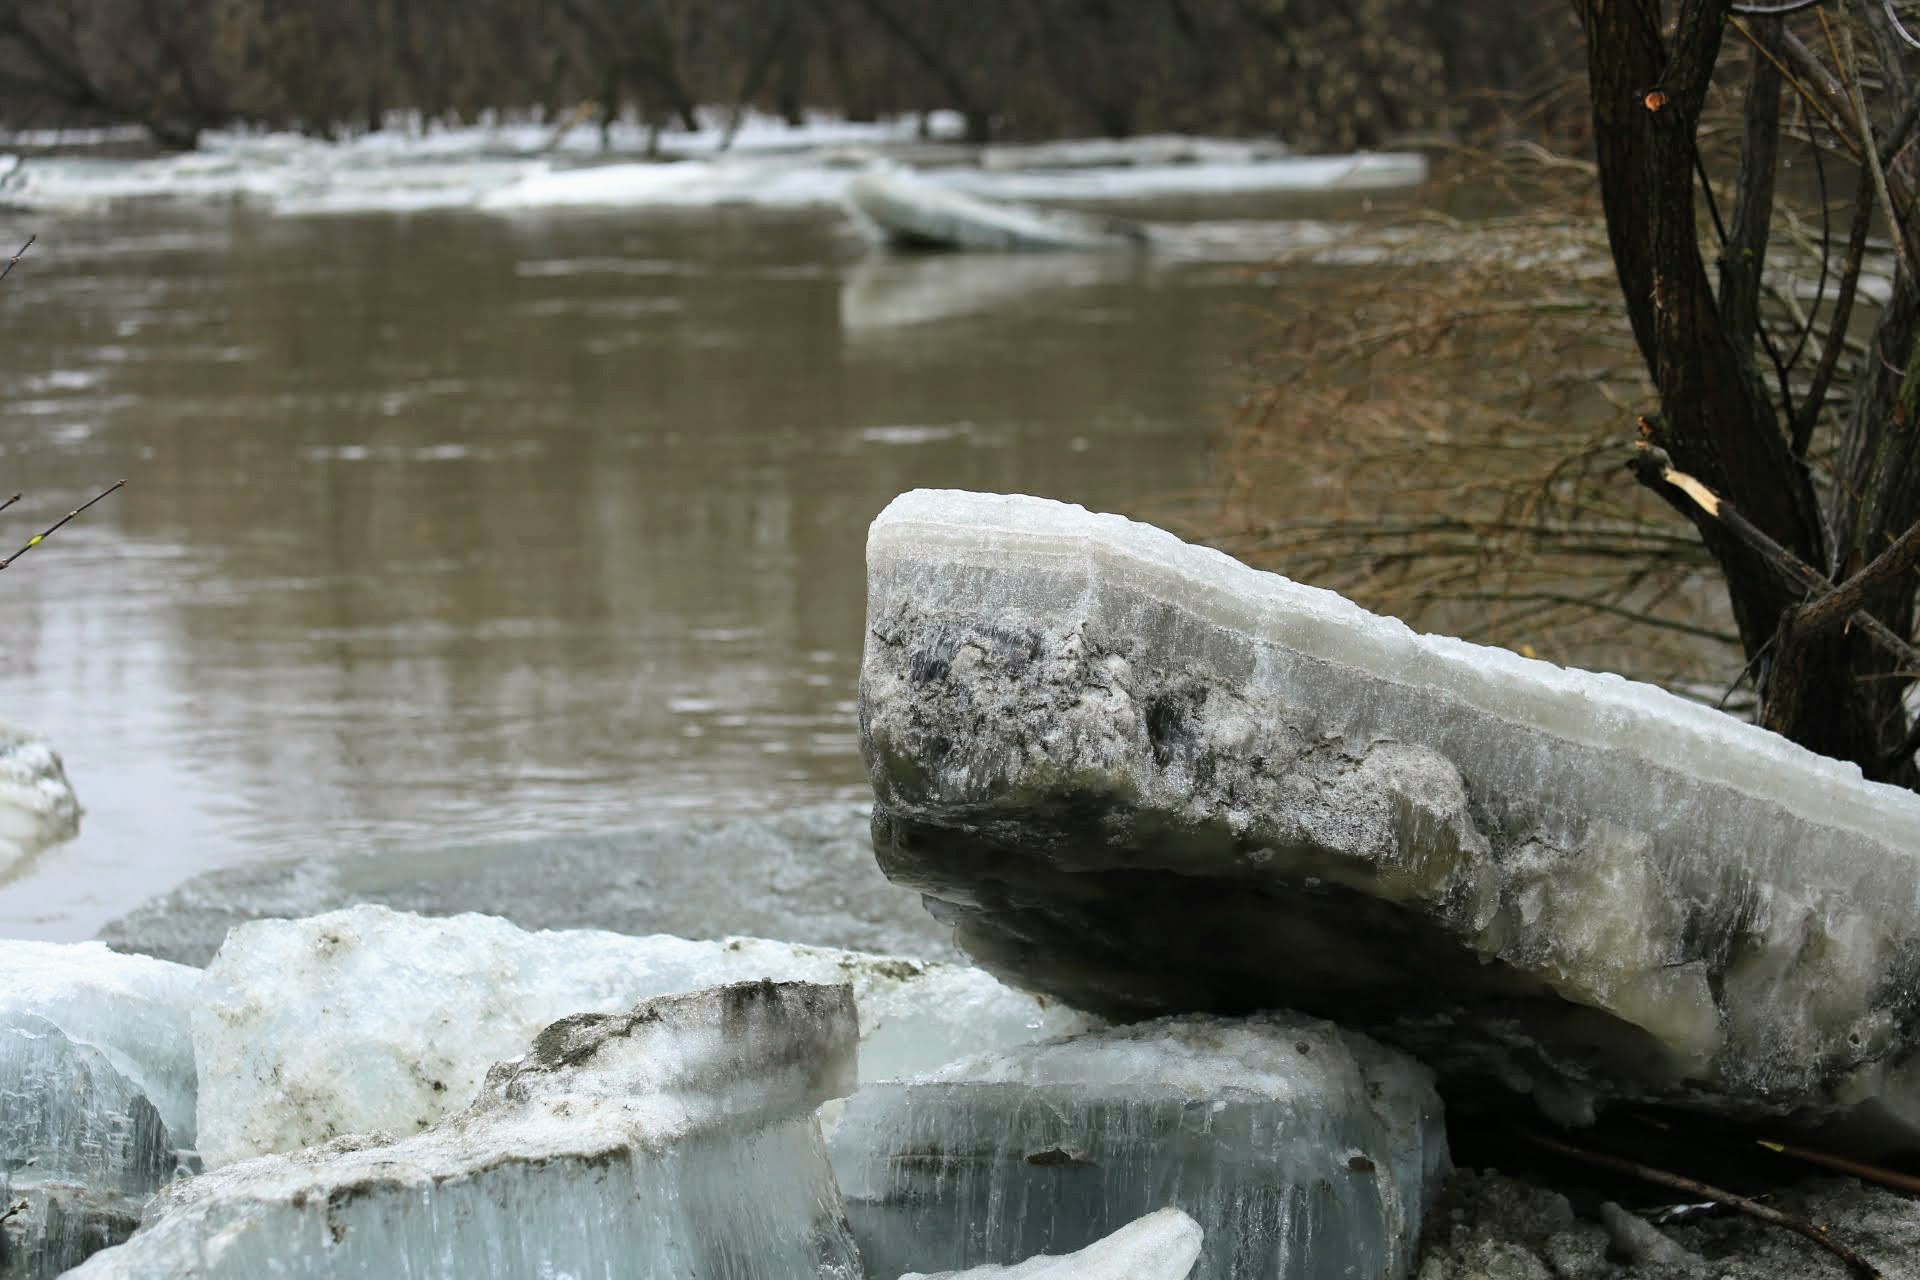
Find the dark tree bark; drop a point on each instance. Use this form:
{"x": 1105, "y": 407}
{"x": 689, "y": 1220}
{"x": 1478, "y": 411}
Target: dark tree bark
{"x": 1719, "y": 418}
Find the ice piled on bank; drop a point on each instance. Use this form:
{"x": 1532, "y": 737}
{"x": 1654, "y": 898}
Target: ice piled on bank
{"x": 133, "y": 1010}
{"x": 1147, "y": 778}
{"x": 1301, "y": 1150}
{"x": 1161, "y": 1246}
{"x": 37, "y": 806}
{"x": 81, "y": 1148}
{"x": 676, "y": 1139}
{"x": 375, "y": 1019}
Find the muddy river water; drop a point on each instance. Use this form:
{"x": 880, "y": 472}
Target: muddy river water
{"x": 445, "y": 526}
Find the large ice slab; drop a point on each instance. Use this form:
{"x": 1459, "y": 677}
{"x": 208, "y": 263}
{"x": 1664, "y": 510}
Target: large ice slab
{"x": 1161, "y": 1246}
{"x": 375, "y": 1019}
{"x": 1145, "y": 777}
{"x": 676, "y": 1139}
{"x": 679, "y": 878}
{"x": 133, "y": 1010}
{"x": 1301, "y": 1150}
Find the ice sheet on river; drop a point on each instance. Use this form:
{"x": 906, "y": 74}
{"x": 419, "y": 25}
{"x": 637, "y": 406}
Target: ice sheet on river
{"x": 810, "y": 874}
{"x": 1145, "y": 777}
{"x": 518, "y": 168}
{"x": 677, "y": 1139}
{"x": 373, "y": 1019}
{"x": 1302, "y": 1151}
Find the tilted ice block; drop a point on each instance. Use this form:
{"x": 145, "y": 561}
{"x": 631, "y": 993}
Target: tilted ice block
{"x": 676, "y": 1139}
{"x": 1145, "y": 777}
{"x": 1305, "y": 1152}
{"x": 133, "y": 1009}
{"x": 1161, "y": 1246}
{"x": 374, "y": 1019}
{"x": 80, "y": 1147}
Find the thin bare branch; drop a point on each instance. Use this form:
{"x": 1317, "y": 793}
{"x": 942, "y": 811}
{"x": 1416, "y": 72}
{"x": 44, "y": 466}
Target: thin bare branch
{"x": 1693, "y": 1187}
{"x": 53, "y": 528}
{"x": 18, "y": 254}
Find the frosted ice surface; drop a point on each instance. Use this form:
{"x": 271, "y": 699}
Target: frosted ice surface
{"x": 132, "y": 1009}
{"x": 81, "y": 1146}
{"x": 1302, "y": 1151}
{"x": 1161, "y": 1246}
{"x": 1146, "y": 777}
{"x": 37, "y": 806}
{"x": 374, "y": 1019}
{"x": 673, "y": 1140}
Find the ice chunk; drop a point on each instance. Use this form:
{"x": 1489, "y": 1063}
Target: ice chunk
{"x": 1147, "y": 778}
{"x": 82, "y": 1149}
{"x": 375, "y": 1019}
{"x": 917, "y": 214}
{"x": 132, "y": 1009}
{"x": 674, "y": 1140}
{"x": 37, "y": 806}
{"x": 1161, "y": 1246}
{"x": 679, "y": 878}
{"x": 1302, "y": 1150}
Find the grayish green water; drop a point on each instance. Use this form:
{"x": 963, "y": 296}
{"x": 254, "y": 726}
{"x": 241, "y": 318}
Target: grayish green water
{"x": 450, "y": 527}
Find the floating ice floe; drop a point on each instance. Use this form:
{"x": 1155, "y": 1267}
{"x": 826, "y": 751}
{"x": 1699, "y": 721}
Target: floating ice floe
{"x": 915, "y": 213}
{"x": 1145, "y": 777}
{"x": 1300, "y": 1150}
{"x": 1161, "y": 1246}
{"x": 677, "y": 1139}
{"x": 370, "y": 1019}
{"x": 37, "y": 806}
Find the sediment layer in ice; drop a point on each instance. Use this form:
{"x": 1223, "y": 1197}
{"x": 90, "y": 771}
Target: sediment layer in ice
{"x": 1161, "y": 1246}
{"x": 1301, "y": 1150}
{"x": 675, "y": 1140}
{"x": 1145, "y": 777}
{"x": 132, "y": 1009}
{"x": 375, "y": 1019}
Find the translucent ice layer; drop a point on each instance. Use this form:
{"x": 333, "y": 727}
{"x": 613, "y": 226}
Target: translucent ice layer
{"x": 1160, "y": 1246}
{"x": 673, "y": 1140}
{"x": 375, "y": 1019}
{"x": 81, "y": 1146}
{"x": 132, "y": 1009}
{"x": 1145, "y": 777}
{"x": 1301, "y": 1150}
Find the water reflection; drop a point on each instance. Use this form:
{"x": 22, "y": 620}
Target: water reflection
{"x": 449, "y": 526}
